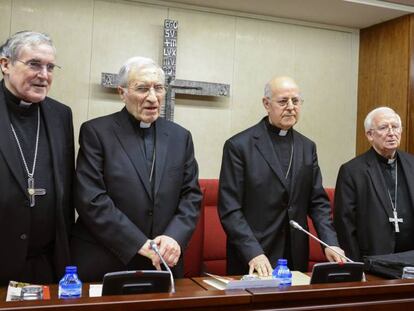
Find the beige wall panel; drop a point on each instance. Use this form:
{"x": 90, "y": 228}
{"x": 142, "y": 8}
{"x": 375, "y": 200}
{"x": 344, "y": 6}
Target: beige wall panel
{"x": 324, "y": 64}
{"x": 121, "y": 30}
{"x": 263, "y": 49}
{"x": 5, "y": 11}
{"x": 69, "y": 23}
{"x": 205, "y": 53}
{"x": 326, "y": 68}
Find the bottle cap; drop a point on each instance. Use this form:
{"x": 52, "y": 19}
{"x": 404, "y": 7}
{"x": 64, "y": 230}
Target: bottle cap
{"x": 282, "y": 261}
{"x": 71, "y": 269}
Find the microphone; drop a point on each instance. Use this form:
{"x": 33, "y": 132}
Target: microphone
{"x": 155, "y": 249}
{"x": 295, "y": 225}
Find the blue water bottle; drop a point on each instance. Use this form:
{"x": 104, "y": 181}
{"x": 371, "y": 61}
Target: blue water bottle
{"x": 282, "y": 273}
{"x": 70, "y": 286}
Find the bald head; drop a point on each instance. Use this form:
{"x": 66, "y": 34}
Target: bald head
{"x": 278, "y": 84}
{"x": 282, "y": 102}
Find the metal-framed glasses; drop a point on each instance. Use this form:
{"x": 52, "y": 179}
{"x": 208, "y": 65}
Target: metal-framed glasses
{"x": 38, "y": 66}
{"x": 284, "y": 102}
{"x": 385, "y": 129}
{"x": 144, "y": 90}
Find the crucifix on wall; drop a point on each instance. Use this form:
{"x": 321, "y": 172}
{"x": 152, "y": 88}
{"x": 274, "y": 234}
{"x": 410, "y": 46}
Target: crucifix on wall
{"x": 174, "y": 86}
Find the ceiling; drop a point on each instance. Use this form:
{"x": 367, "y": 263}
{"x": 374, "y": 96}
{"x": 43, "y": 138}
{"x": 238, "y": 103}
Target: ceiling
{"x": 346, "y": 13}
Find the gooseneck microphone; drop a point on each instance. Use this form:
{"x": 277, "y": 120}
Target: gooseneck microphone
{"x": 295, "y": 225}
{"x": 155, "y": 249}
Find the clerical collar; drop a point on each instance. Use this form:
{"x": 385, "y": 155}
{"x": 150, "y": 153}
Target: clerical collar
{"x": 386, "y": 160}
{"x": 274, "y": 129}
{"x": 11, "y": 98}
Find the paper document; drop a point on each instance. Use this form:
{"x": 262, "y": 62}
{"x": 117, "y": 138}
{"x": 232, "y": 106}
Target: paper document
{"x": 223, "y": 283}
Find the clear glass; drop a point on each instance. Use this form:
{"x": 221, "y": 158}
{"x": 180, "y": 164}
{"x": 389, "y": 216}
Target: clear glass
{"x": 408, "y": 273}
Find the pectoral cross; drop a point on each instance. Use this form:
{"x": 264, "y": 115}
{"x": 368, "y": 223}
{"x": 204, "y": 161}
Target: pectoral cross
{"x": 395, "y": 220}
{"x": 32, "y": 191}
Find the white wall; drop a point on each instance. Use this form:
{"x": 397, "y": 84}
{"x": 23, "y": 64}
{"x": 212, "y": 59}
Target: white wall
{"x": 94, "y": 36}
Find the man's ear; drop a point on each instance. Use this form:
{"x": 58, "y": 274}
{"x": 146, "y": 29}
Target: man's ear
{"x": 266, "y": 103}
{"x": 4, "y": 63}
{"x": 122, "y": 92}
{"x": 369, "y": 136}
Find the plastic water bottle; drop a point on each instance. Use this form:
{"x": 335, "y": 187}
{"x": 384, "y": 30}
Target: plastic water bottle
{"x": 70, "y": 286}
{"x": 282, "y": 273}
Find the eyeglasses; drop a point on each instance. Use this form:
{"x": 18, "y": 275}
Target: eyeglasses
{"x": 38, "y": 66}
{"x": 385, "y": 129}
{"x": 158, "y": 89}
{"x": 284, "y": 102}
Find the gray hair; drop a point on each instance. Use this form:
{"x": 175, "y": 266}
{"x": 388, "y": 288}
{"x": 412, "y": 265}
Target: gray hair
{"x": 268, "y": 90}
{"x": 13, "y": 45}
{"x": 370, "y": 116}
{"x": 137, "y": 63}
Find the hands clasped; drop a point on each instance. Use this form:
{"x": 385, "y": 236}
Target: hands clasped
{"x": 169, "y": 249}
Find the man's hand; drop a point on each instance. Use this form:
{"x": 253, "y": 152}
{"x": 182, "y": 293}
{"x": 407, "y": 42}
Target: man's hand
{"x": 147, "y": 251}
{"x": 332, "y": 256}
{"x": 260, "y": 264}
{"x": 170, "y": 250}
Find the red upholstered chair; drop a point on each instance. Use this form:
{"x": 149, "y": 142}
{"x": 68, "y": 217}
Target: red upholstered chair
{"x": 194, "y": 251}
{"x": 214, "y": 249}
{"x": 315, "y": 250}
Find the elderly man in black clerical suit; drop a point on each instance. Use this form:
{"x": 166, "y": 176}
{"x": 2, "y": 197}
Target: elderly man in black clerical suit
{"x": 269, "y": 176}
{"x": 137, "y": 181}
{"x": 374, "y": 192}
{"x": 36, "y": 164}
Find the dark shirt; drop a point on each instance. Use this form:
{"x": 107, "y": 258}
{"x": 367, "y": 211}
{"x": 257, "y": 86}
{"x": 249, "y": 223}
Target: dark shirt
{"x": 404, "y": 240}
{"x": 42, "y": 229}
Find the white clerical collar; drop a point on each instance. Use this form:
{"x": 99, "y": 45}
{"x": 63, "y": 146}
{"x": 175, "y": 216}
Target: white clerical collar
{"x": 144, "y": 125}
{"x": 24, "y": 104}
{"x": 283, "y": 132}
{"x": 391, "y": 161}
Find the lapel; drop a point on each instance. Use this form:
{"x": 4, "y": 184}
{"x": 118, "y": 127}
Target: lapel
{"x": 298, "y": 150}
{"x": 161, "y": 147}
{"x": 264, "y": 145}
{"x": 8, "y": 146}
{"x": 378, "y": 181}
{"x": 56, "y": 142}
{"x": 407, "y": 167}
{"x": 127, "y": 136}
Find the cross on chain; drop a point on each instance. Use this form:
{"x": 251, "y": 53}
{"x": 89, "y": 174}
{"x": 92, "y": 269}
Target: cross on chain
{"x": 32, "y": 191}
{"x": 395, "y": 220}
{"x": 187, "y": 87}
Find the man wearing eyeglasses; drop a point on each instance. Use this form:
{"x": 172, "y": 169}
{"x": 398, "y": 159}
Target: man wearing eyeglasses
{"x": 269, "y": 176}
{"x": 137, "y": 181}
{"x": 374, "y": 192}
{"x": 36, "y": 164}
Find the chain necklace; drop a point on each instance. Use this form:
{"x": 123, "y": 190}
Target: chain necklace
{"x": 395, "y": 219}
{"x": 31, "y": 190}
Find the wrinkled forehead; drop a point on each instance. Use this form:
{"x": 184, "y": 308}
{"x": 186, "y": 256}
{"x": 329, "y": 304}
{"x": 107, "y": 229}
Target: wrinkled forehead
{"x": 37, "y": 52}
{"x": 145, "y": 75}
{"x": 382, "y": 118}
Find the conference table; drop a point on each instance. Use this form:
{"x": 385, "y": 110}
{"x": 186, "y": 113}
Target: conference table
{"x": 195, "y": 294}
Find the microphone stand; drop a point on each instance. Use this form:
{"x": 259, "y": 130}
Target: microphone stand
{"x": 155, "y": 249}
{"x": 295, "y": 225}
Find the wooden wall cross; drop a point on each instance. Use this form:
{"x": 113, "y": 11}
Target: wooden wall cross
{"x": 174, "y": 86}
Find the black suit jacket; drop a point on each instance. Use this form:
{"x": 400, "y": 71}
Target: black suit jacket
{"x": 362, "y": 205}
{"x": 117, "y": 210}
{"x": 255, "y": 203}
{"x": 14, "y": 200}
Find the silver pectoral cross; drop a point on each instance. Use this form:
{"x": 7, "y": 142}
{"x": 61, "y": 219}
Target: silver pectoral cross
{"x": 395, "y": 220}
{"x": 32, "y": 191}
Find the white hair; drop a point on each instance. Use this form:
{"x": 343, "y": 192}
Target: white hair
{"x": 138, "y": 63}
{"x": 370, "y": 116}
{"x": 12, "y": 47}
